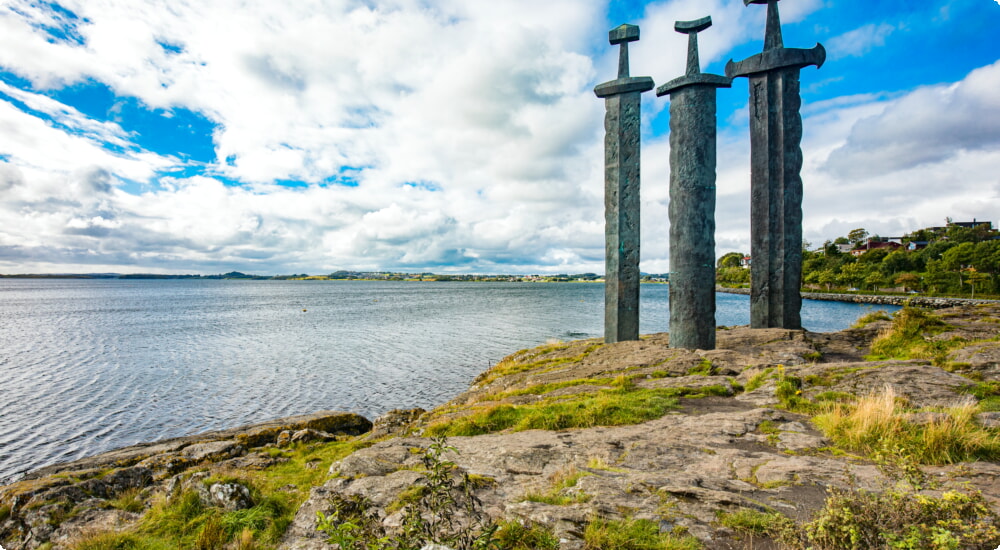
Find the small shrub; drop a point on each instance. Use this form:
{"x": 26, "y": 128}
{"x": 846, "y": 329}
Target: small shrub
{"x": 856, "y": 519}
{"x": 898, "y": 517}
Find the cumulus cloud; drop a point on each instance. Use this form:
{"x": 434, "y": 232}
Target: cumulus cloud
{"x": 896, "y": 163}
{"x": 441, "y": 119}
{"x": 930, "y": 125}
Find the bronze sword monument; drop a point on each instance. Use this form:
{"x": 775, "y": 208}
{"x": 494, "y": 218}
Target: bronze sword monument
{"x": 621, "y": 192}
{"x": 775, "y": 183}
{"x": 692, "y": 196}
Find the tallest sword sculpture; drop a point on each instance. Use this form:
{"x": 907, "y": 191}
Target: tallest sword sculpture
{"x": 775, "y": 184}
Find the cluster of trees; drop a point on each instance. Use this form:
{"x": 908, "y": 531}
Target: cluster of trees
{"x": 956, "y": 260}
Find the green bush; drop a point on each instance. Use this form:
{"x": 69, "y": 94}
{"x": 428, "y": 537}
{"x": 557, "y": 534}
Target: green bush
{"x": 855, "y": 519}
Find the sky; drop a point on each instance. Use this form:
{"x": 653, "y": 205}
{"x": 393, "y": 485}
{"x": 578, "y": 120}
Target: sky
{"x": 453, "y": 136}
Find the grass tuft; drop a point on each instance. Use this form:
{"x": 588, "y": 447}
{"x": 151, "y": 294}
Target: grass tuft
{"x": 557, "y": 494}
{"x": 515, "y": 535}
{"x": 906, "y": 337}
{"x": 754, "y": 522}
{"x": 876, "y": 422}
{"x": 869, "y": 318}
{"x": 634, "y": 534}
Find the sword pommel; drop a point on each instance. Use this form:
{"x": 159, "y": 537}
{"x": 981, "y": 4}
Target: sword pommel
{"x": 697, "y": 25}
{"x": 623, "y": 33}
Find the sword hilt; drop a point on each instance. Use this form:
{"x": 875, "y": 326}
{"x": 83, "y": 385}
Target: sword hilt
{"x": 622, "y": 35}
{"x": 692, "y": 28}
{"x": 772, "y": 31}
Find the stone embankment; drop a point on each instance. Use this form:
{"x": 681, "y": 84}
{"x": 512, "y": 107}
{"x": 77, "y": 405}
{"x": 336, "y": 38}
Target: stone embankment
{"x": 722, "y": 439}
{"x": 878, "y": 299}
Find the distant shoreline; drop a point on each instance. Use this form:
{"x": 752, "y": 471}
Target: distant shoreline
{"x": 935, "y": 302}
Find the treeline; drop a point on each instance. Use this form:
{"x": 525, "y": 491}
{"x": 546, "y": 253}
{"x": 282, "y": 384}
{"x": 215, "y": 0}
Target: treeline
{"x": 952, "y": 260}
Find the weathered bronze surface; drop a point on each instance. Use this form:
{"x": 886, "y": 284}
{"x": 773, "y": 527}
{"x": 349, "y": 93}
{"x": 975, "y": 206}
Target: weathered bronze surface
{"x": 621, "y": 192}
{"x": 775, "y": 181}
{"x": 692, "y": 197}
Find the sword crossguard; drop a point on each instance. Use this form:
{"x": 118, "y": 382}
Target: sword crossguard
{"x": 692, "y": 28}
{"x": 775, "y": 54}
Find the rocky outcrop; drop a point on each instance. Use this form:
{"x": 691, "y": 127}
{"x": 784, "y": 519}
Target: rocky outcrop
{"x": 727, "y": 447}
{"x": 59, "y": 502}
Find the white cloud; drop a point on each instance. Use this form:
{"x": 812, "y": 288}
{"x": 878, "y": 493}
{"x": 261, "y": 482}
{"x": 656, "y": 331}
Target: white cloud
{"x": 930, "y": 125}
{"x": 859, "y": 41}
{"x": 898, "y": 163}
{"x": 471, "y": 131}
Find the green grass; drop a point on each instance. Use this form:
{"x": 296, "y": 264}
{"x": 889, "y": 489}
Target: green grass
{"x": 539, "y": 389}
{"x": 906, "y": 338}
{"x": 704, "y": 368}
{"x": 605, "y": 408}
{"x": 183, "y": 521}
{"x": 556, "y": 494}
{"x": 812, "y": 356}
{"x": 513, "y": 364}
{"x": 634, "y": 534}
{"x": 754, "y": 522}
{"x": 128, "y": 500}
{"x": 119, "y": 541}
{"x": 987, "y": 393}
{"x": 758, "y": 379}
{"x": 869, "y": 318}
{"x": 514, "y": 535}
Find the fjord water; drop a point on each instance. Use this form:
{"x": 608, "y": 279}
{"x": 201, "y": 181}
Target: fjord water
{"x": 91, "y": 365}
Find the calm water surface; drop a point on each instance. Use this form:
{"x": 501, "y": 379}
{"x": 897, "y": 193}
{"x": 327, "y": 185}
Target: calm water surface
{"x": 91, "y": 365}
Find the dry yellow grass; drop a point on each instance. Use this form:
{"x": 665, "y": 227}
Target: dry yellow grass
{"x": 877, "y": 422}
